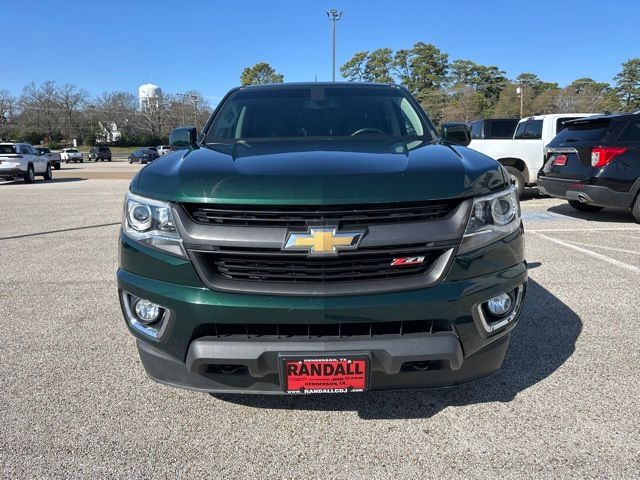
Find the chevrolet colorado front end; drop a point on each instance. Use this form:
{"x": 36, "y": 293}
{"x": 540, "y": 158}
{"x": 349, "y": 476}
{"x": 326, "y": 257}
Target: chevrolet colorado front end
{"x": 321, "y": 238}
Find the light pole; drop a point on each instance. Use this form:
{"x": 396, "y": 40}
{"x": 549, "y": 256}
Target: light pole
{"x": 334, "y": 16}
{"x": 520, "y": 91}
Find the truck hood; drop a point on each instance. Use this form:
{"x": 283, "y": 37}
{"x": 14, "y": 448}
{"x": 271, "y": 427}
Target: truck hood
{"x": 319, "y": 172}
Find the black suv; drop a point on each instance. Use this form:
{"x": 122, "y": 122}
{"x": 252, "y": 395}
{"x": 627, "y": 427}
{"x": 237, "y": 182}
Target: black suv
{"x": 594, "y": 163}
{"x": 100, "y": 154}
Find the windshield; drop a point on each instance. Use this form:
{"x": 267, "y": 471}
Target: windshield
{"x": 72, "y": 150}
{"x": 317, "y": 112}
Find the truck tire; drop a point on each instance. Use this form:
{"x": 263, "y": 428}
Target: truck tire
{"x": 109, "y": 159}
{"x": 518, "y": 178}
{"x": 56, "y": 165}
{"x": 47, "y": 173}
{"x": 30, "y": 176}
{"x": 635, "y": 210}
{"x": 584, "y": 207}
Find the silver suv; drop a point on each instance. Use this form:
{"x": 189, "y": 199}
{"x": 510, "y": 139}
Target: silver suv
{"x": 20, "y": 160}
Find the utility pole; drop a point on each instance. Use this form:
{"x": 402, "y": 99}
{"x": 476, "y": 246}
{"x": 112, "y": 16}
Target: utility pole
{"x": 182, "y": 95}
{"x": 91, "y": 107}
{"x": 195, "y": 100}
{"x": 334, "y": 16}
{"x": 520, "y": 91}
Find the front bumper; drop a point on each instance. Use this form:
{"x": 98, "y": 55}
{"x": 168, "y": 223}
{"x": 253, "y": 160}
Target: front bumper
{"x": 597, "y": 195}
{"x": 461, "y": 352}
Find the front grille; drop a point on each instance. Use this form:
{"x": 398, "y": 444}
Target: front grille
{"x": 304, "y": 215}
{"x": 264, "y": 265}
{"x": 319, "y": 331}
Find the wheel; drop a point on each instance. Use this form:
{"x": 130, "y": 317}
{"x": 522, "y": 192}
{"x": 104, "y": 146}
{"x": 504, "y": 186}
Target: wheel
{"x": 130, "y": 161}
{"x": 47, "y": 173}
{"x": 584, "y": 207}
{"x": 66, "y": 161}
{"x": 109, "y": 159}
{"x": 635, "y": 210}
{"x": 56, "y": 165}
{"x": 82, "y": 160}
{"x": 30, "y": 175}
{"x": 518, "y": 179}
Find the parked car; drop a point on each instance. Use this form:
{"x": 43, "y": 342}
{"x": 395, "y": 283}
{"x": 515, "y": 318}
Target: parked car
{"x": 21, "y": 160}
{"x": 595, "y": 163}
{"x": 71, "y": 155}
{"x": 100, "y": 154}
{"x": 143, "y": 155}
{"x": 365, "y": 253}
{"x": 523, "y": 155}
{"x": 53, "y": 157}
{"x": 493, "y": 128}
{"x": 163, "y": 149}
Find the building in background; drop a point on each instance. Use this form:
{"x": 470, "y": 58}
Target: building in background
{"x": 108, "y": 133}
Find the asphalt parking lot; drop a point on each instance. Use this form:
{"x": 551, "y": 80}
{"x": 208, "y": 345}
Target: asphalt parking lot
{"x": 75, "y": 402}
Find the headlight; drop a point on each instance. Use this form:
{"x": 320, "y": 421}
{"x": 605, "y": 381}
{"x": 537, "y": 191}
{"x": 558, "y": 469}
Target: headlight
{"x": 493, "y": 217}
{"x": 151, "y": 222}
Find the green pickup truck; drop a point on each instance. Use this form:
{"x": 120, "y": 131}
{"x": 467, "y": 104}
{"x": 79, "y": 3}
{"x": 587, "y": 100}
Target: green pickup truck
{"x": 320, "y": 238}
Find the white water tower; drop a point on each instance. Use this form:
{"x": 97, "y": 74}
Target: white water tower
{"x": 149, "y": 96}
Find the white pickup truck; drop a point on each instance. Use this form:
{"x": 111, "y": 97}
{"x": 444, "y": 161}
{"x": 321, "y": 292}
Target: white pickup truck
{"x": 53, "y": 157}
{"x": 20, "y": 160}
{"x": 523, "y": 156}
{"x": 71, "y": 155}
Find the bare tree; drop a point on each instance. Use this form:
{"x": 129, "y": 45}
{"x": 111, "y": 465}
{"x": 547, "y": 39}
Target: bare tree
{"x": 8, "y": 107}
{"x": 70, "y": 99}
{"x": 39, "y": 107}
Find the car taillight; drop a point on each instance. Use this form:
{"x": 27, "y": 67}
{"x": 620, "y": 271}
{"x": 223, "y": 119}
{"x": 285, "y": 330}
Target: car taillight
{"x": 600, "y": 156}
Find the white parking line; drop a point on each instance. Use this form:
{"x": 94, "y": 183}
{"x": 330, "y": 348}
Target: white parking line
{"x": 594, "y": 229}
{"x": 599, "y": 256}
{"x": 631, "y": 252}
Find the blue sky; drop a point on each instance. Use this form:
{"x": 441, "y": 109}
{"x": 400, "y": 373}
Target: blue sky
{"x": 204, "y": 45}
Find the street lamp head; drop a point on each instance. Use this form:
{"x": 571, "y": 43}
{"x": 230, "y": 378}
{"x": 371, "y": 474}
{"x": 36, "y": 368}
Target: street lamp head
{"x": 334, "y": 15}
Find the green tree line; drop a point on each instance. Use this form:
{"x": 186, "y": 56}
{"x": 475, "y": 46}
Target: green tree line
{"x": 464, "y": 90}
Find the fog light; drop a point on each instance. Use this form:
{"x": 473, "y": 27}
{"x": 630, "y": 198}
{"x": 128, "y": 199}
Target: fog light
{"x": 499, "y": 305}
{"x": 146, "y": 311}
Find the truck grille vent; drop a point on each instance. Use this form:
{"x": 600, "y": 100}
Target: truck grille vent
{"x": 277, "y": 266}
{"x": 303, "y": 215}
{"x": 323, "y": 331}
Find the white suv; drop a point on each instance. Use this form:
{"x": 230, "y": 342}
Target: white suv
{"x": 20, "y": 160}
{"x": 163, "y": 149}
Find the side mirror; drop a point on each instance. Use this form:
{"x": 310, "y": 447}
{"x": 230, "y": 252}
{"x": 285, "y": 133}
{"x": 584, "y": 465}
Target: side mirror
{"x": 455, "y": 132}
{"x": 182, "y": 138}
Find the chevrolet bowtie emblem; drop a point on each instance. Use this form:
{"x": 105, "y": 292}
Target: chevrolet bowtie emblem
{"x": 322, "y": 241}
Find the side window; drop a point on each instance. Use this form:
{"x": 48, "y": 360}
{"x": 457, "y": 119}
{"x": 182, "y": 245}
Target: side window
{"x": 500, "y": 129}
{"x": 631, "y": 133}
{"x": 27, "y": 150}
{"x": 476, "y": 129}
{"x": 531, "y": 130}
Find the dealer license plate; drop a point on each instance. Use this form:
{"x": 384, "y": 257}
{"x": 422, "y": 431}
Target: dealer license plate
{"x": 330, "y": 374}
